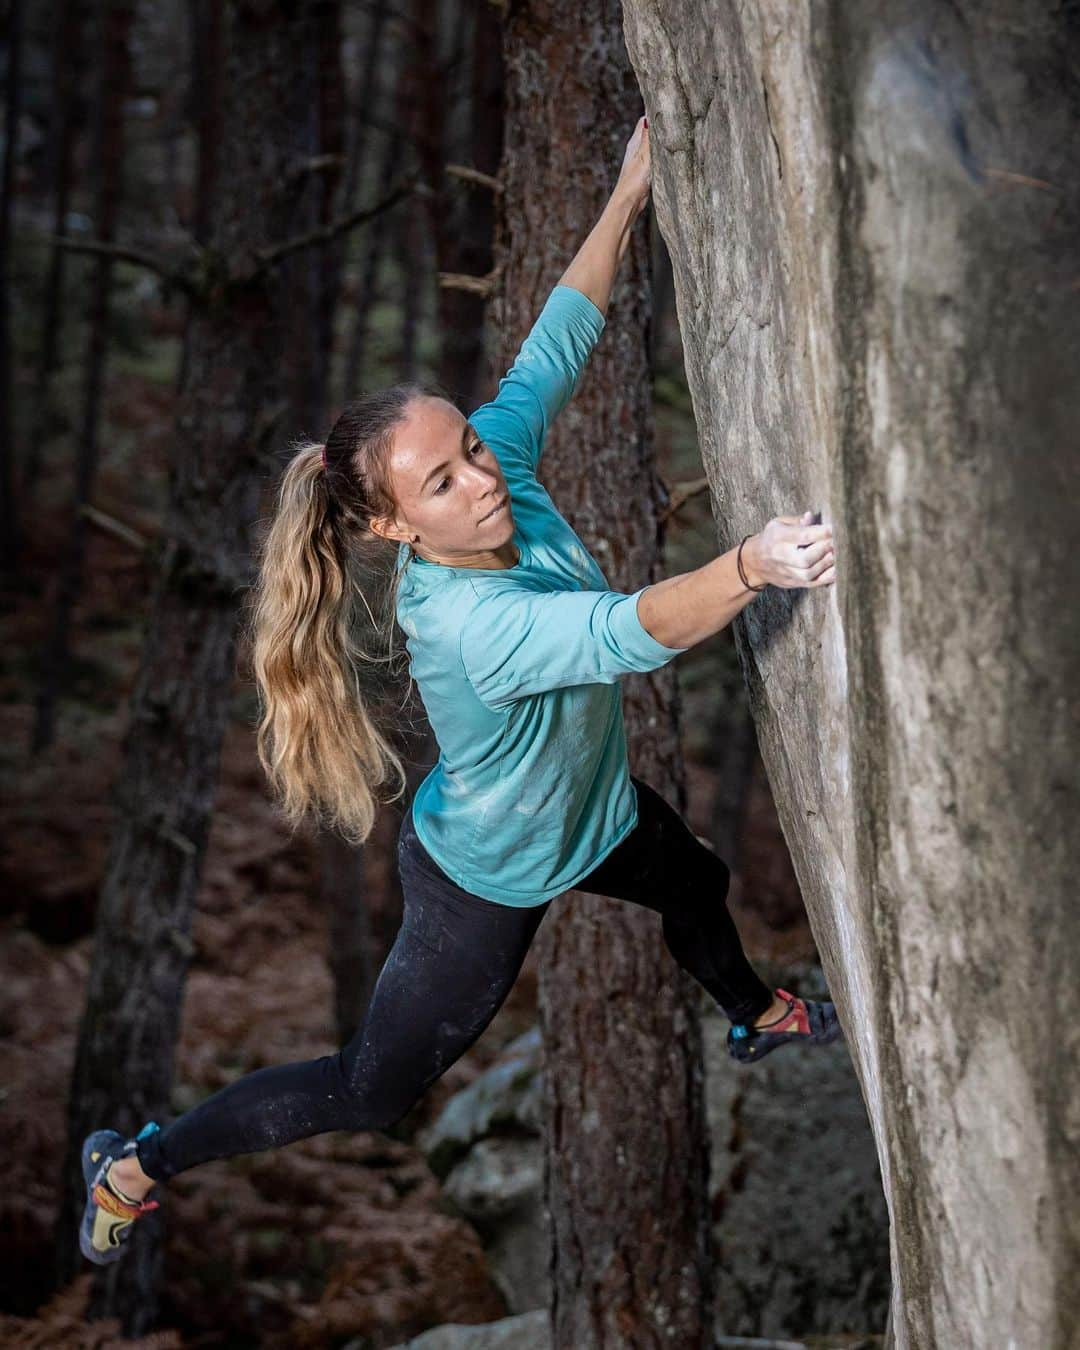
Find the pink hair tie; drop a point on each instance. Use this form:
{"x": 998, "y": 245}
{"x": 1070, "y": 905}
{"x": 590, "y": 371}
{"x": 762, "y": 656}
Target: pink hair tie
{"x": 324, "y": 457}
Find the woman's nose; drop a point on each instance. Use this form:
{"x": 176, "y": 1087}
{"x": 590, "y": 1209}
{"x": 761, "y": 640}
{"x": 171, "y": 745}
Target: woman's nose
{"x": 487, "y": 484}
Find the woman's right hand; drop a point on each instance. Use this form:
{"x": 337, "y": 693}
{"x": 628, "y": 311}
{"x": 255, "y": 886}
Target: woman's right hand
{"x": 635, "y": 176}
{"x": 791, "y": 552}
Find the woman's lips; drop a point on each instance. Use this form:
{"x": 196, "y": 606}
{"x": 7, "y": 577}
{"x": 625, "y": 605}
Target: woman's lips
{"x": 501, "y": 506}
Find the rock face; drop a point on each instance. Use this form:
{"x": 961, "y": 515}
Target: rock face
{"x": 872, "y": 213}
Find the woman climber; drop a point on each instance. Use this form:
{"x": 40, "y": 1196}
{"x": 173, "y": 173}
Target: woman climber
{"x": 517, "y": 644}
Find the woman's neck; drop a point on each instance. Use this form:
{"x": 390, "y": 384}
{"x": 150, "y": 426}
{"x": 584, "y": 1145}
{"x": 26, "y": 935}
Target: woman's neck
{"x": 506, "y": 555}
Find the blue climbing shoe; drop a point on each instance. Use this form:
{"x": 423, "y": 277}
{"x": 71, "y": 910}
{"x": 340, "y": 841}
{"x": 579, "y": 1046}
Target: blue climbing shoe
{"x": 109, "y": 1213}
{"x": 811, "y": 1023}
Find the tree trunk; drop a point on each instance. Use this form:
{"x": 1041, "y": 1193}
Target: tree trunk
{"x": 225, "y": 423}
{"x": 625, "y": 1175}
{"x": 328, "y": 260}
{"x": 9, "y": 541}
{"x": 460, "y": 214}
{"x": 69, "y": 23}
{"x": 115, "y": 21}
{"x": 873, "y": 220}
{"x": 376, "y": 233}
{"x": 477, "y": 231}
{"x": 206, "y": 21}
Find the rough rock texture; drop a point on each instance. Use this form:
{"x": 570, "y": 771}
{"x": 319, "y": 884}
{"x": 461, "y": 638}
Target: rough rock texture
{"x": 486, "y": 1148}
{"x": 528, "y": 1331}
{"x": 499, "y": 1188}
{"x": 504, "y": 1098}
{"x": 872, "y": 215}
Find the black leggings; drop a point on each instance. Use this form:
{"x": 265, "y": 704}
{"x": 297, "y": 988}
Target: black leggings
{"x": 454, "y": 960}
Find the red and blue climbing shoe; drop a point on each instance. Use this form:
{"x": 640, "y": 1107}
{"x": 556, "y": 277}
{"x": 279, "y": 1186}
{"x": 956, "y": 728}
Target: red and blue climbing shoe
{"x": 109, "y": 1214}
{"x": 811, "y": 1023}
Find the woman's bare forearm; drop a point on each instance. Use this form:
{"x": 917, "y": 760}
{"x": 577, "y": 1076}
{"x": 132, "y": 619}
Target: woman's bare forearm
{"x": 594, "y": 266}
{"x": 790, "y": 552}
{"x": 686, "y": 609}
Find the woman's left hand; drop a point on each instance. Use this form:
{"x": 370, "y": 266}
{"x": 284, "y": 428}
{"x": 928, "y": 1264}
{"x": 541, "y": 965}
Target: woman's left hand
{"x": 635, "y": 176}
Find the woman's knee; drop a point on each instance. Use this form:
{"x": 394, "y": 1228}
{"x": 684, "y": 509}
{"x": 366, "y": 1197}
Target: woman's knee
{"x": 380, "y": 1081}
{"x": 376, "y": 1099}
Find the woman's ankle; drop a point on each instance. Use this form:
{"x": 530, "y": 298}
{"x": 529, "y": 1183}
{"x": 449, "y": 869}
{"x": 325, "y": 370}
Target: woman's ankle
{"x": 773, "y": 1013}
{"x": 127, "y": 1173}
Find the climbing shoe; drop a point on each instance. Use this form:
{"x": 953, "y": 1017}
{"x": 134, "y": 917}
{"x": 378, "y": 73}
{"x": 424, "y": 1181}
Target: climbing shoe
{"x": 812, "y": 1023}
{"x": 109, "y": 1213}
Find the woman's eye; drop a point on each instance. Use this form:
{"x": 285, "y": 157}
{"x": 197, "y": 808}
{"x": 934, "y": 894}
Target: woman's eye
{"x": 476, "y": 445}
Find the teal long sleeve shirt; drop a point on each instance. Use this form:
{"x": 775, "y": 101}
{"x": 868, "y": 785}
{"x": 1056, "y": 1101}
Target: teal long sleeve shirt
{"x": 518, "y": 668}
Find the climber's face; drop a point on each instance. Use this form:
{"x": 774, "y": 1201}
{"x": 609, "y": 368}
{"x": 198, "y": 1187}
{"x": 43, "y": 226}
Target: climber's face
{"x": 450, "y": 490}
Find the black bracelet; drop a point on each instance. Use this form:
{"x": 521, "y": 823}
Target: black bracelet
{"x": 742, "y": 575}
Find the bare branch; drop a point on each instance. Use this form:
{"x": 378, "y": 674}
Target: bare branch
{"x": 462, "y": 281}
{"x": 471, "y": 175}
{"x": 267, "y": 257}
{"x": 125, "y": 253}
{"x": 115, "y": 527}
{"x": 681, "y": 493}
{"x": 316, "y": 164}
{"x": 264, "y": 258}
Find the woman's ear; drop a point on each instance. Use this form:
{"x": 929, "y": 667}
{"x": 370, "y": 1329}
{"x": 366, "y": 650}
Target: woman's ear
{"x": 385, "y": 527}
{"x": 381, "y": 526}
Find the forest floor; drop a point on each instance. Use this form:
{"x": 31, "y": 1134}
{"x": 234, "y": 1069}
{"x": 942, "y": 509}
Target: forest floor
{"x": 332, "y": 1237}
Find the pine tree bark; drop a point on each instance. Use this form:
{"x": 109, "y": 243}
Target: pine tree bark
{"x": 873, "y": 218}
{"x": 459, "y": 213}
{"x": 205, "y": 93}
{"x": 410, "y": 243}
{"x": 383, "y": 98}
{"x": 328, "y": 261}
{"x": 626, "y": 1150}
{"x": 227, "y": 420}
{"x": 115, "y": 21}
{"x": 69, "y": 23}
{"x": 9, "y": 539}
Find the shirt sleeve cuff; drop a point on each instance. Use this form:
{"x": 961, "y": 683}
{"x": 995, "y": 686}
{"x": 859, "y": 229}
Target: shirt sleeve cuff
{"x": 569, "y": 302}
{"x": 636, "y": 640}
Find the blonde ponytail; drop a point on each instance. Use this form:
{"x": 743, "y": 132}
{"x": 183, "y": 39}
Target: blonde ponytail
{"x": 324, "y": 581}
